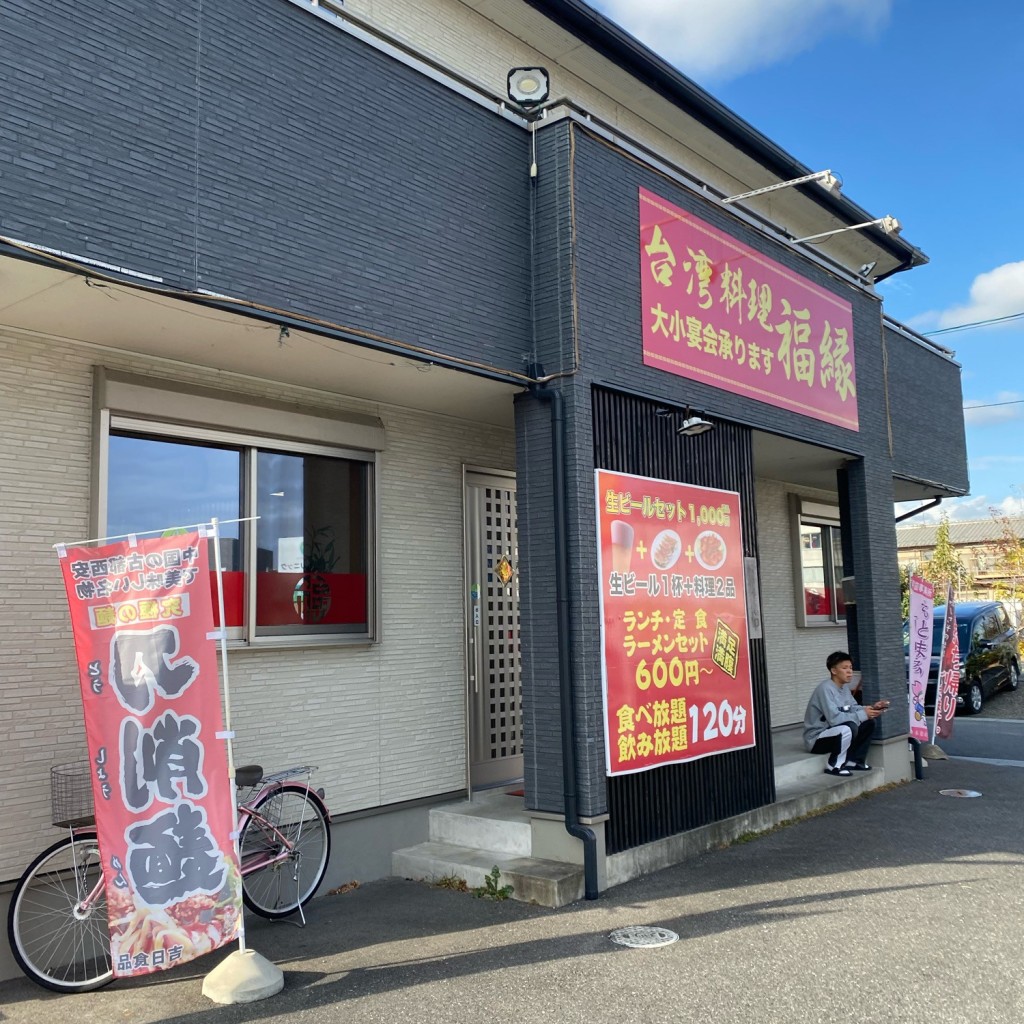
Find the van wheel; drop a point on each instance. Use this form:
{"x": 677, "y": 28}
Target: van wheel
{"x": 1014, "y": 676}
{"x": 975, "y": 698}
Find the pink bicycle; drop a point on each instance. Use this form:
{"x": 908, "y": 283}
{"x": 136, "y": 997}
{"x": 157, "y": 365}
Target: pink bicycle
{"x": 57, "y": 921}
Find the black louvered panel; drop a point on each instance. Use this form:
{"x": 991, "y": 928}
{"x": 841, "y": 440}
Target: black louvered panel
{"x": 632, "y": 435}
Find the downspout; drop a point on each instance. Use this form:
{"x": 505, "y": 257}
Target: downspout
{"x": 566, "y": 676}
{"x": 918, "y": 511}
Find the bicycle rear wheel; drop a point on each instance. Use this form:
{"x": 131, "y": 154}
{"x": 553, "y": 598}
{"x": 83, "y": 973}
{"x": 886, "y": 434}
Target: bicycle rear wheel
{"x": 55, "y": 943}
{"x": 276, "y": 890}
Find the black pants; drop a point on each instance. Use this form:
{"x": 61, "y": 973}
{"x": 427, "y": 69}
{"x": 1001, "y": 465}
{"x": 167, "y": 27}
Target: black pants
{"x": 857, "y": 742}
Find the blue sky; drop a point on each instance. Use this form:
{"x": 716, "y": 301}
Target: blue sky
{"x": 918, "y": 105}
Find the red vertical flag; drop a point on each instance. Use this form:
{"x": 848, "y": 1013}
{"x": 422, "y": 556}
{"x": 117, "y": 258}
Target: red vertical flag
{"x": 142, "y": 619}
{"x": 949, "y": 673}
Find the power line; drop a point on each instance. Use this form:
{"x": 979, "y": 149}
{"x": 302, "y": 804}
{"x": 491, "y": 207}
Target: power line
{"x": 993, "y": 405}
{"x": 977, "y": 323}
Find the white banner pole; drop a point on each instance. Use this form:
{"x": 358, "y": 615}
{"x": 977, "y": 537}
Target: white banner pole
{"x": 228, "y": 734}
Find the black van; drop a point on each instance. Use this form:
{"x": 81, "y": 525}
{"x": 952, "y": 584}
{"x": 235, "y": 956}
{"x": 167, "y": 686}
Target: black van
{"x": 989, "y": 657}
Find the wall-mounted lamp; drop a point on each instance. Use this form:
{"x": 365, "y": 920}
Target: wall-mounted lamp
{"x": 890, "y": 225}
{"x": 826, "y": 179}
{"x": 694, "y": 425}
{"x": 528, "y": 86}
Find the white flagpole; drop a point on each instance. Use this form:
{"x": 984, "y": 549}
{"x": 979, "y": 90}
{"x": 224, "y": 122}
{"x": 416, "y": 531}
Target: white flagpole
{"x": 244, "y": 976}
{"x": 228, "y": 734}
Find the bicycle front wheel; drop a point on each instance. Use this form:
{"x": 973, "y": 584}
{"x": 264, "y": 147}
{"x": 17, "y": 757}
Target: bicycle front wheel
{"x": 56, "y": 943}
{"x": 276, "y": 883}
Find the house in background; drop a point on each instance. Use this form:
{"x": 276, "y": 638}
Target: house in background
{"x": 980, "y": 546}
{"x": 411, "y": 280}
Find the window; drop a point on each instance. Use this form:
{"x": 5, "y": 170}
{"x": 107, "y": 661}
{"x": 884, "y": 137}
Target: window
{"x": 296, "y": 540}
{"x": 818, "y": 566}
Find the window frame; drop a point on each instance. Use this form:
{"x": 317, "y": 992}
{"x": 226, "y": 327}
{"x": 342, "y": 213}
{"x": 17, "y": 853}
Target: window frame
{"x": 804, "y": 512}
{"x": 250, "y": 443}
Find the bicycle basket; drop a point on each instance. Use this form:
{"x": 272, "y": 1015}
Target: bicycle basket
{"x": 71, "y": 794}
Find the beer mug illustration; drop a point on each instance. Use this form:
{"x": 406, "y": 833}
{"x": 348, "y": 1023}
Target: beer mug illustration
{"x": 622, "y": 546}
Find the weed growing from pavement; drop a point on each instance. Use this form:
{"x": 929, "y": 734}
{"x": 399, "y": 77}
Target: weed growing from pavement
{"x": 747, "y": 837}
{"x": 452, "y": 882}
{"x": 342, "y": 889}
{"x": 490, "y": 890}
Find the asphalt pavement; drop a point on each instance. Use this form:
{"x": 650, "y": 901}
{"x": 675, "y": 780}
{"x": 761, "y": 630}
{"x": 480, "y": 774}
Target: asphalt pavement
{"x": 904, "y": 905}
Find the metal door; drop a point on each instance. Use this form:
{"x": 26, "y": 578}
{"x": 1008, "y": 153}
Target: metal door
{"x": 492, "y": 630}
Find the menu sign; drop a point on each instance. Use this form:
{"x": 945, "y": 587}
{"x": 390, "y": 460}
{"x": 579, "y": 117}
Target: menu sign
{"x": 675, "y": 665}
{"x": 716, "y": 310}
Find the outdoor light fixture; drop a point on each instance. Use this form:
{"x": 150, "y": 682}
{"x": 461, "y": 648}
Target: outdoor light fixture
{"x": 890, "y": 225}
{"x": 528, "y": 86}
{"x": 826, "y": 179}
{"x": 694, "y": 425}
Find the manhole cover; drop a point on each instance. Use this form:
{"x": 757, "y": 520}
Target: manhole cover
{"x": 959, "y": 792}
{"x": 641, "y": 937}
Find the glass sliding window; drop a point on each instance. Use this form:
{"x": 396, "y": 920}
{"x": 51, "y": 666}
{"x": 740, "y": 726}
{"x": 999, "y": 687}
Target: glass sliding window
{"x": 817, "y": 593}
{"x": 837, "y": 574}
{"x": 819, "y": 570}
{"x": 312, "y": 545}
{"x": 298, "y": 566}
{"x": 157, "y": 484}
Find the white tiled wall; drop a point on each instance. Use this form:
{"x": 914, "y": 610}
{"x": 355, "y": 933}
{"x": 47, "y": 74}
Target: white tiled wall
{"x": 796, "y": 655}
{"x": 384, "y": 723}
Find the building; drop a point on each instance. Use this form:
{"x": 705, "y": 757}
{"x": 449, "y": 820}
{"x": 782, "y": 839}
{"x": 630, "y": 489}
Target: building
{"x": 980, "y": 546}
{"x": 309, "y": 262}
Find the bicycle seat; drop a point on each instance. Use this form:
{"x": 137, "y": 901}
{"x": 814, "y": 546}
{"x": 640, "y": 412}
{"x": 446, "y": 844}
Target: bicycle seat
{"x": 248, "y": 775}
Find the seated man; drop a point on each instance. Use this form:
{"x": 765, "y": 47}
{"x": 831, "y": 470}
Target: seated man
{"x": 835, "y": 724}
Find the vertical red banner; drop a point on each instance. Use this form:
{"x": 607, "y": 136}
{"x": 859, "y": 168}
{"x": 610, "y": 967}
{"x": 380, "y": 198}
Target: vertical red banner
{"x": 676, "y": 663}
{"x": 142, "y": 619}
{"x": 948, "y": 685}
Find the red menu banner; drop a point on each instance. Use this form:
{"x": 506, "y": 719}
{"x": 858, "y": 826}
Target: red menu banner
{"x": 675, "y": 664}
{"x": 142, "y": 618}
{"x": 716, "y": 310}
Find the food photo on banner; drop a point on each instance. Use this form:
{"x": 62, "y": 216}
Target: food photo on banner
{"x": 919, "y": 652}
{"x": 675, "y": 659}
{"x": 142, "y": 618}
{"x": 949, "y": 673}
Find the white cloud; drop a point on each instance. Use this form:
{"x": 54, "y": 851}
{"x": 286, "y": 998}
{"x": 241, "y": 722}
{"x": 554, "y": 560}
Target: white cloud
{"x": 987, "y": 463}
{"x": 724, "y": 39}
{"x": 1003, "y": 408}
{"x": 996, "y": 293}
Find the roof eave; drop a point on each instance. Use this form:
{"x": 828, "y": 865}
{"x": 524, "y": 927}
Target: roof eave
{"x": 603, "y": 35}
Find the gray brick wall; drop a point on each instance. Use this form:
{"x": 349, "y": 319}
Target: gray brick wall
{"x": 250, "y": 149}
{"x": 588, "y": 213}
{"x": 927, "y": 432}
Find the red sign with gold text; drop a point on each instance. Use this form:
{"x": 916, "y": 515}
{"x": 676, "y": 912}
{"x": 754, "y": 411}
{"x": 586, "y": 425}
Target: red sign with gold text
{"x": 716, "y": 310}
{"x": 142, "y": 617}
{"x": 673, "y": 622}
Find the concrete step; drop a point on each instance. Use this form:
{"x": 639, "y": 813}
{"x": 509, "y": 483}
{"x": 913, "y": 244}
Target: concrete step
{"x": 792, "y": 763}
{"x": 548, "y": 883}
{"x": 492, "y": 821}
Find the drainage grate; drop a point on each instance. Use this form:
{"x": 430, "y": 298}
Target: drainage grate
{"x": 959, "y": 792}
{"x": 643, "y": 937}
